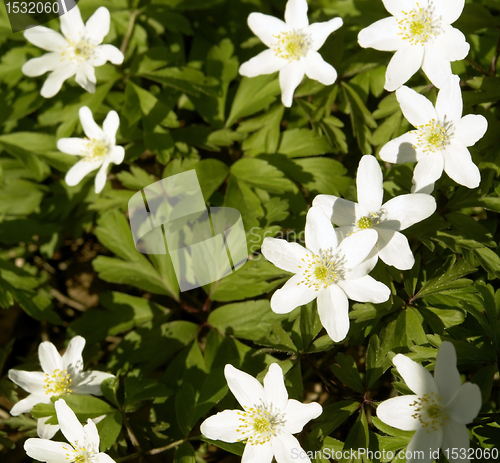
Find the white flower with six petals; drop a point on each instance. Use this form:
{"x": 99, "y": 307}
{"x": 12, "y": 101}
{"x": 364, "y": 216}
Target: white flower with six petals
{"x": 268, "y": 420}
{"x": 293, "y": 48}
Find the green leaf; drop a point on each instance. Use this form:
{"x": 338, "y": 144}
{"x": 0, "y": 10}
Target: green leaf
{"x": 184, "y": 453}
{"x": 332, "y": 417}
{"x": 298, "y": 143}
{"x": 347, "y": 372}
{"x": 109, "y": 430}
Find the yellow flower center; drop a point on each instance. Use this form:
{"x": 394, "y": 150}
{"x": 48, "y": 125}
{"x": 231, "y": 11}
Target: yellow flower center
{"x": 291, "y": 45}
{"x": 364, "y": 223}
{"x": 321, "y": 270}
{"x": 430, "y": 411}
{"x": 418, "y": 25}
{"x": 259, "y": 424}
{"x": 96, "y": 149}
{"x": 77, "y": 52}
{"x": 58, "y": 383}
{"x": 434, "y": 136}
{"x": 79, "y": 454}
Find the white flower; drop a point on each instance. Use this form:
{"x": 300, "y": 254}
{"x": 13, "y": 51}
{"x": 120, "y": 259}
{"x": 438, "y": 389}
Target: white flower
{"x": 268, "y": 421}
{"x": 440, "y": 409}
{"x": 327, "y": 270}
{"x": 420, "y": 33}
{"x": 61, "y": 375}
{"x": 83, "y": 441}
{"x": 369, "y": 213}
{"x": 98, "y": 150}
{"x": 293, "y": 48}
{"x": 76, "y": 51}
{"x": 441, "y": 139}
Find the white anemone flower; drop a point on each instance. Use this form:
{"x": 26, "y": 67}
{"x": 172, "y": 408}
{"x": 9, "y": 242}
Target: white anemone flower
{"x": 440, "y": 140}
{"x": 420, "y": 33}
{"x": 326, "y": 270}
{"x": 61, "y": 375}
{"x": 293, "y": 48}
{"x": 77, "y": 51}
{"x": 83, "y": 441}
{"x": 99, "y": 149}
{"x": 386, "y": 219}
{"x": 439, "y": 410}
{"x": 268, "y": 420}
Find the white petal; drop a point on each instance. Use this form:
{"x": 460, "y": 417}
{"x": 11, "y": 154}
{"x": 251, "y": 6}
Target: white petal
{"x": 423, "y": 445}
{"x": 44, "y": 430}
{"x": 293, "y": 294}
{"x": 56, "y": 78}
{"x": 106, "y": 52}
{"x": 89, "y": 382}
{"x": 382, "y": 35}
{"x": 247, "y": 390}
{"x": 101, "y": 177}
{"x": 296, "y": 14}
{"x": 369, "y": 183}
{"x": 445, "y": 373}
{"x": 110, "y": 125}
{"x": 451, "y": 44}
{"x": 319, "y": 231}
{"x": 30, "y": 381}
{"x": 72, "y": 357}
{"x": 470, "y": 129}
{"x": 450, "y": 10}
{"x": 417, "y": 378}
{"x": 427, "y": 171}
{"x": 70, "y": 426}
{"x": 85, "y": 77}
{"x": 97, "y": 26}
{"x": 365, "y": 289}
{"x": 365, "y": 267}
{"x": 50, "y": 359}
{"x": 46, "y": 38}
{"x": 257, "y": 453}
{"x": 91, "y": 433}
{"x": 459, "y": 166}
{"x": 290, "y": 78}
{"x": 319, "y": 32}
{"x": 72, "y": 24}
{"x": 103, "y": 458}
{"x": 355, "y": 248}
{"x": 80, "y": 170}
{"x": 91, "y": 129}
{"x": 223, "y": 426}
{"x": 266, "y": 27}
{"x": 455, "y": 437}
{"x": 465, "y": 404}
{"x": 449, "y": 103}
{"x": 400, "y": 149}
{"x": 340, "y": 211}
{"x": 417, "y": 109}
{"x": 47, "y": 450}
{"x": 405, "y": 62}
{"x": 274, "y": 388}
{"x": 397, "y": 7}
{"x": 318, "y": 69}
{"x": 396, "y": 250}
{"x": 38, "y": 66}
{"x": 74, "y": 146}
{"x": 117, "y": 154}
{"x": 404, "y": 211}
{"x": 266, "y": 62}
{"x": 286, "y": 256}
{"x": 287, "y": 449}
{"x": 25, "y": 405}
{"x": 333, "y": 311}
{"x": 436, "y": 68}
{"x": 397, "y": 412}
{"x": 297, "y": 415}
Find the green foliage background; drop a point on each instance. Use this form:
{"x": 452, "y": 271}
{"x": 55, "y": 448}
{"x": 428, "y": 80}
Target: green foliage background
{"x": 68, "y": 264}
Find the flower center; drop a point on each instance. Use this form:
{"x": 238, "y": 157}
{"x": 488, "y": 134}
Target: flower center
{"x": 96, "y": 149}
{"x": 430, "y": 411}
{"x": 80, "y": 454}
{"x": 58, "y": 383}
{"x": 291, "y": 45}
{"x": 369, "y": 221}
{"x": 419, "y": 25}
{"x": 434, "y": 136}
{"x": 78, "y": 52}
{"x": 259, "y": 424}
{"x": 322, "y": 270}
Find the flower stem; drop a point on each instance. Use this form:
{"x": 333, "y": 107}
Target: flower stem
{"x": 153, "y": 451}
{"x": 130, "y": 30}
{"x": 493, "y": 68}
{"x": 477, "y": 67}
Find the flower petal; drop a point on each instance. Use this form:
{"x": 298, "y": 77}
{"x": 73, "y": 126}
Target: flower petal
{"x": 450, "y": 10}
{"x": 44, "y": 430}
{"x": 106, "y": 52}
{"x": 451, "y": 44}
{"x": 427, "y": 171}
{"x": 400, "y": 149}
{"x": 319, "y": 32}
{"x": 72, "y": 24}
{"x": 417, "y": 109}
{"x": 465, "y": 404}
{"x": 223, "y": 426}
{"x": 449, "y": 103}
{"x": 110, "y": 126}
{"x": 266, "y": 27}
{"x": 274, "y": 388}
{"x": 470, "y": 129}
{"x": 89, "y": 382}
{"x": 397, "y": 7}
{"x": 416, "y": 377}
{"x": 369, "y": 184}
{"x": 50, "y": 359}
{"x": 30, "y": 381}
{"x": 90, "y": 430}
{"x": 38, "y": 66}
{"x": 85, "y": 77}
{"x": 257, "y": 453}
{"x": 355, "y": 248}
{"x": 266, "y": 62}
{"x": 455, "y": 437}
{"x": 97, "y": 26}
{"x": 103, "y": 458}
{"x": 405, "y": 62}
{"x": 290, "y": 77}
{"x": 319, "y": 231}
{"x": 398, "y": 413}
{"x": 436, "y": 68}
{"x": 247, "y": 390}
{"x": 404, "y": 211}
{"x": 365, "y": 289}
{"x": 459, "y": 166}
{"x": 47, "y": 450}
{"x": 56, "y": 78}
{"x": 91, "y": 129}
{"x": 74, "y": 146}
{"x": 340, "y": 211}
{"x": 318, "y": 69}
{"x": 396, "y": 250}
{"x": 446, "y": 373}
{"x": 287, "y": 449}
{"x": 72, "y": 357}
{"x": 293, "y": 294}
{"x": 46, "y": 38}
{"x": 297, "y": 415}
{"x": 25, "y": 405}
{"x": 101, "y": 177}
{"x": 424, "y": 444}
{"x": 296, "y": 14}
{"x": 333, "y": 311}
{"x": 382, "y": 35}
{"x": 77, "y": 172}
{"x": 286, "y": 256}
{"x": 70, "y": 426}
{"x": 117, "y": 154}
